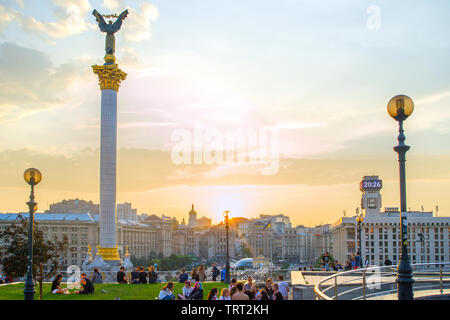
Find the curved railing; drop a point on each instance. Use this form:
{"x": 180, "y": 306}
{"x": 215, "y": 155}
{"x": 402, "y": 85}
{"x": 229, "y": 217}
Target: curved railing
{"x": 375, "y": 282}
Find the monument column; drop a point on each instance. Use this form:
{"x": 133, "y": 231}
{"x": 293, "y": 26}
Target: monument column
{"x": 110, "y": 78}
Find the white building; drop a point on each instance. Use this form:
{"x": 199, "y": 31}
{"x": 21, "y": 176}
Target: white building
{"x": 380, "y": 232}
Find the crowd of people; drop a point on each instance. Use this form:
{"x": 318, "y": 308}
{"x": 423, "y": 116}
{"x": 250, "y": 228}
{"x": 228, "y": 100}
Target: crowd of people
{"x": 5, "y": 278}
{"x": 249, "y": 290}
{"x": 192, "y": 285}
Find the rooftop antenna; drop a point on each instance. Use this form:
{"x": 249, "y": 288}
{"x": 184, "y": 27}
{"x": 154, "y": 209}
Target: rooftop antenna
{"x": 437, "y": 210}
{"x": 345, "y": 212}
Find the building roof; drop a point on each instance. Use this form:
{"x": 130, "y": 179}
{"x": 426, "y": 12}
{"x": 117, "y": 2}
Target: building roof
{"x": 86, "y": 217}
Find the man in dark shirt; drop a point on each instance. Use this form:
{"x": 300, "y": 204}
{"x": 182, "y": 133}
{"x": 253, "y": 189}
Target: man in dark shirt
{"x": 134, "y": 276}
{"x": 326, "y": 261}
{"x": 142, "y": 276}
{"x": 121, "y": 276}
{"x": 215, "y": 272}
{"x": 88, "y": 287}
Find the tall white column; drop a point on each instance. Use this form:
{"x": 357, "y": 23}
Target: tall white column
{"x": 108, "y": 168}
{"x": 110, "y": 78}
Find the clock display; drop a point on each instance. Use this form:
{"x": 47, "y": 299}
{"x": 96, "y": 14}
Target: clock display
{"x": 367, "y": 185}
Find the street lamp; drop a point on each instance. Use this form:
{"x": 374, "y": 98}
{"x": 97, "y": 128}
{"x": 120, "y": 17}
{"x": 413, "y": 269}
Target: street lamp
{"x": 400, "y": 108}
{"x": 32, "y": 177}
{"x": 227, "y": 265}
{"x": 359, "y": 220}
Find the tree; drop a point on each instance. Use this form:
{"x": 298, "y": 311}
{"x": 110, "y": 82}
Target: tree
{"x": 246, "y": 251}
{"x": 14, "y": 251}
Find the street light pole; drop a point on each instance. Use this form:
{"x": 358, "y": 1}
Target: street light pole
{"x": 32, "y": 177}
{"x": 400, "y": 108}
{"x": 227, "y": 265}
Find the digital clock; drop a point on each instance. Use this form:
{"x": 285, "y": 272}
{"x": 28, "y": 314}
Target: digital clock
{"x": 370, "y": 185}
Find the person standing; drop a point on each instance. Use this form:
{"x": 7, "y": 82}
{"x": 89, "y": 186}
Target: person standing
{"x": 268, "y": 288}
{"x": 249, "y": 284}
{"x": 202, "y": 273}
{"x": 152, "y": 275}
{"x": 240, "y": 295}
{"x": 276, "y": 292}
{"x": 215, "y": 272}
{"x": 223, "y": 274}
{"x": 358, "y": 260}
{"x": 283, "y": 287}
{"x": 326, "y": 261}
{"x": 183, "y": 276}
{"x": 96, "y": 277}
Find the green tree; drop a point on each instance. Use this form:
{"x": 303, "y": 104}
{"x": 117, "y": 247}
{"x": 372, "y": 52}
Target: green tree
{"x": 246, "y": 251}
{"x": 14, "y": 252}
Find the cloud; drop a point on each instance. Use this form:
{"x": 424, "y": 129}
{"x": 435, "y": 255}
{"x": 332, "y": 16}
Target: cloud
{"x": 139, "y": 22}
{"x": 70, "y": 16}
{"x": 30, "y": 83}
{"x": 7, "y": 16}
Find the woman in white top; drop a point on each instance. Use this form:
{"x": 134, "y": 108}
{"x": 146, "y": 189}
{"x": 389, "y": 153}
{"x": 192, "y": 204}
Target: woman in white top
{"x": 187, "y": 290}
{"x": 225, "y": 294}
{"x": 166, "y": 292}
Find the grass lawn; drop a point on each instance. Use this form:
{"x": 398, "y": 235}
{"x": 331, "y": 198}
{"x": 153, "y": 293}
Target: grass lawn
{"x": 124, "y": 291}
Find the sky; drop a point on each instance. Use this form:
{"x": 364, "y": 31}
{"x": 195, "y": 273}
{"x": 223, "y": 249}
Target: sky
{"x": 313, "y": 77}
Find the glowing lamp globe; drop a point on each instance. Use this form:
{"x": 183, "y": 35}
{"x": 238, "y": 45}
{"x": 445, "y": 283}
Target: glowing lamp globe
{"x": 400, "y": 107}
{"x": 32, "y": 176}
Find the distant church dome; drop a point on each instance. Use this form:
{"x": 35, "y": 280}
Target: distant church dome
{"x": 192, "y": 210}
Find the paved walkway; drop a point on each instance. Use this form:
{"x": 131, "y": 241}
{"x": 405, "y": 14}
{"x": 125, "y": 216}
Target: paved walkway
{"x": 417, "y": 294}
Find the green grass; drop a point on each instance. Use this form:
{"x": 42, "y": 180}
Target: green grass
{"x": 124, "y": 291}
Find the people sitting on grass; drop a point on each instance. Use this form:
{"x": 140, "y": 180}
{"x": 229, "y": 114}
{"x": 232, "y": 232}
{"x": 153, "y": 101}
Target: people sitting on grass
{"x": 166, "y": 292}
{"x": 152, "y": 275}
{"x": 213, "y": 294}
{"x": 88, "y": 287}
{"x": 225, "y": 294}
{"x": 96, "y": 277}
{"x": 121, "y": 276}
{"x": 240, "y": 295}
{"x": 183, "y": 276}
{"x": 197, "y": 292}
{"x": 134, "y": 276}
{"x": 56, "y": 286}
{"x": 142, "y": 276}
{"x": 187, "y": 291}
{"x": 276, "y": 292}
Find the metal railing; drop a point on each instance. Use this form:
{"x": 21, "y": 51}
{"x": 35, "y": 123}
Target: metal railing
{"x": 375, "y": 282}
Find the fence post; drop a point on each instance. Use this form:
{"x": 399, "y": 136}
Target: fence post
{"x": 440, "y": 281}
{"x": 335, "y": 288}
{"x": 364, "y": 285}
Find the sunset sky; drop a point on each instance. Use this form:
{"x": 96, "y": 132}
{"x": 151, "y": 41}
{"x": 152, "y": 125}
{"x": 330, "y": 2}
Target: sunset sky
{"x": 312, "y": 70}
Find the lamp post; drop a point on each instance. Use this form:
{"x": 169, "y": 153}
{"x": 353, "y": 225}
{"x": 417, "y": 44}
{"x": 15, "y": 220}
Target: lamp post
{"x": 32, "y": 177}
{"x": 359, "y": 220}
{"x": 227, "y": 265}
{"x": 400, "y": 108}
